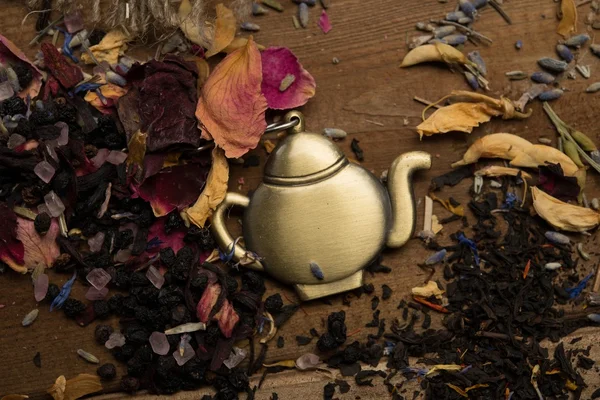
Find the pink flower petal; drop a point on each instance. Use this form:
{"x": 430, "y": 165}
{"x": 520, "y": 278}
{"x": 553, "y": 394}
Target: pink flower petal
{"x": 208, "y": 301}
{"x": 277, "y": 63}
{"x": 324, "y": 23}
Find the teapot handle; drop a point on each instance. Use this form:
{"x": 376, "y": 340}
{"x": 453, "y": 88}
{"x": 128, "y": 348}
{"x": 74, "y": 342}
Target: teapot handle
{"x": 222, "y": 236}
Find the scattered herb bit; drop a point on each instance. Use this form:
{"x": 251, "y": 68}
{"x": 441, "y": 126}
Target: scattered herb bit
{"x": 358, "y": 152}
{"x": 386, "y": 292}
{"x": 37, "y": 360}
{"x": 303, "y": 340}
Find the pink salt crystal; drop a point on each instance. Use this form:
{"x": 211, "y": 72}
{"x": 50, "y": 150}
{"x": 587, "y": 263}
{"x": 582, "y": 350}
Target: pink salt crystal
{"x": 155, "y": 277}
{"x": 44, "y": 171}
{"x": 116, "y": 339}
{"x": 96, "y": 242}
{"x": 73, "y": 22}
{"x": 100, "y": 157}
{"x": 188, "y": 354}
{"x": 116, "y": 157}
{"x": 54, "y": 204}
{"x": 94, "y": 294}
{"x": 98, "y": 278}
{"x": 63, "y": 139}
{"x": 50, "y": 146}
{"x": 123, "y": 256}
{"x": 41, "y": 208}
{"x": 40, "y": 287}
{"x": 159, "y": 343}
{"x": 235, "y": 358}
{"x": 307, "y": 361}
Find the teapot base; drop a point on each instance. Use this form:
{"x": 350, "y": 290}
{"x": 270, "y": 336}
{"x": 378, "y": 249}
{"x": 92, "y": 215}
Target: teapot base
{"x": 311, "y": 292}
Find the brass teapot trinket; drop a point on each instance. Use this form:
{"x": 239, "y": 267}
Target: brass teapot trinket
{"x": 316, "y": 207}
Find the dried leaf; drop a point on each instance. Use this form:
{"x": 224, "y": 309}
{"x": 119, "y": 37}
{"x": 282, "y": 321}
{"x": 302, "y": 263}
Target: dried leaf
{"x": 457, "y": 210}
{"x": 563, "y": 216}
{"x": 37, "y": 250}
{"x": 137, "y": 149}
{"x": 112, "y": 45}
{"x": 66, "y": 73}
{"x": 568, "y": 22}
{"x": 110, "y": 92}
{"x": 201, "y": 35}
{"x": 428, "y": 290}
{"x": 225, "y": 27}
{"x": 496, "y": 171}
{"x": 232, "y": 107}
{"x": 458, "y": 390}
{"x": 214, "y": 191}
{"x": 277, "y": 64}
{"x": 434, "y": 52}
{"x": 10, "y": 53}
{"x": 519, "y": 151}
{"x": 238, "y": 43}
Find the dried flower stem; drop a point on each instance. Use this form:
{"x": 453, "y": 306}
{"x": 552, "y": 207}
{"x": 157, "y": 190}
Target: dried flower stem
{"x": 563, "y": 129}
{"x": 426, "y": 102}
{"x": 465, "y": 29}
{"x": 499, "y": 10}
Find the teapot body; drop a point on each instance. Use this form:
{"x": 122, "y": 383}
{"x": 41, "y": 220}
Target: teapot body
{"x": 338, "y": 223}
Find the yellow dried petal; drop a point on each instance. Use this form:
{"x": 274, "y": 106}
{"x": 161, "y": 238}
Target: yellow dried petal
{"x": 461, "y": 117}
{"x": 439, "y": 52}
{"x": 457, "y": 210}
{"x": 457, "y": 390}
{"x": 57, "y": 391}
{"x": 112, "y": 45}
{"x": 238, "y": 43}
{"x": 269, "y": 146}
{"x": 225, "y": 27}
{"x": 137, "y": 149}
{"x": 436, "y": 227}
{"x": 15, "y": 397}
{"x": 430, "y": 289}
{"x": 568, "y": 22}
{"x": 284, "y": 363}
{"x": 444, "y": 367}
{"x": 561, "y": 215}
{"x": 496, "y": 171}
{"x": 82, "y": 385}
{"x": 214, "y": 192}
{"x": 571, "y": 385}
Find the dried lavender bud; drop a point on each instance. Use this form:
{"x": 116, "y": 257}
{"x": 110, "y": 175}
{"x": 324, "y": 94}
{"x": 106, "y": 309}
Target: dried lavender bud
{"x": 593, "y": 88}
{"x": 475, "y": 57}
{"x": 443, "y": 31}
{"x": 455, "y": 16}
{"x": 465, "y": 20}
{"x": 518, "y": 44}
{"x": 467, "y": 7}
{"x": 564, "y": 53}
{"x": 550, "y": 95}
{"x": 479, "y": 3}
{"x": 595, "y": 49}
{"x": 102, "y": 333}
{"x": 556, "y": 237}
{"x": 107, "y": 371}
{"x": 89, "y": 357}
{"x": 577, "y": 40}
{"x": 303, "y": 14}
{"x": 552, "y": 64}
{"x": 250, "y": 27}
{"x": 516, "y": 75}
{"x": 425, "y": 27}
{"x": 542, "y": 77}
{"x": 258, "y": 9}
{"x": 455, "y": 39}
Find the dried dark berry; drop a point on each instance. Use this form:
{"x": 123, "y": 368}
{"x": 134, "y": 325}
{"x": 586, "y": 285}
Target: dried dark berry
{"x": 230, "y": 283}
{"x": 139, "y": 279}
{"x": 107, "y": 135}
{"x": 180, "y": 315}
{"x": 42, "y": 117}
{"x": 24, "y": 74}
{"x": 96, "y": 36}
{"x": 253, "y": 282}
{"x": 129, "y": 306}
{"x": 115, "y": 303}
{"x": 170, "y": 296}
{"x": 173, "y": 222}
{"x": 201, "y": 236}
{"x": 101, "y": 309}
{"x": 124, "y": 353}
{"x": 327, "y": 342}
{"x": 13, "y": 106}
{"x": 122, "y": 278}
{"x": 328, "y": 391}
{"x": 73, "y": 307}
{"x": 107, "y": 371}
{"x": 168, "y": 258}
{"x": 24, "y": 128}
{"x": 102, "y": 332}
{"x": 123, "y": 239}
{"x": 273, "y": 303}
{"x": 368, "y": 288}
{"x": 386, "y": 292}
{"x": 137, "y": 364}
{"x": 53, "y": 291}
{"x": 130, "y": 384}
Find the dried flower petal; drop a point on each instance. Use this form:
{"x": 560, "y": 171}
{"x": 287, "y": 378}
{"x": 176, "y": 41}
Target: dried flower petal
{"x": 10, "y": 53}
{"x": 75, "y": 388}
{"x": 200, "y": 34}
{"x": 563, "y": 216}
{"x": 239, "y": 43}
{"x": 110, "y": 94}
{"x": 496, "y": 171}
{"x": 439, "y": 52}
{"x": 283, "y": 363}
{"x": 225, "y": 26}
{"x": 89, "y": 357}
{"x": 232, "y": 108}
{"x": 67, "y": 74}
{"x": 470, "y": 110}
{"x": 568, "y": 23}
{"x": 12, "y": 251}
{"x": 208, "y": 301}
{"x": 112, "y": 45}
{"x": 324, "y": 23}
{"x": 30, "y": 317}
{"x": 277, "y": 63}
{"x": 158, "y": 239}
{"x": 430, "y": 289}
{"x": 227, "y": 318}
{"x": 214, "y": 191}
{"x": 186, "y": 328}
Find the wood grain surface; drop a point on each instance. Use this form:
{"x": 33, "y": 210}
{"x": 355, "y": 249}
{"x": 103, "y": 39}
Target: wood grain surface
{"x": 370, "y": 97}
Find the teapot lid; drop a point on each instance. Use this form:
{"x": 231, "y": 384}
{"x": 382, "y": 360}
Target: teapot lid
{"x": 303, "y": 157}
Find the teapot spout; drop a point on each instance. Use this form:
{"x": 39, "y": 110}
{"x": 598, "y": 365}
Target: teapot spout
{"x": 401, "y": 195}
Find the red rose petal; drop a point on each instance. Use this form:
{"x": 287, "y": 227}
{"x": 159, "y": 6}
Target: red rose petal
{"x": 324, "y": 23}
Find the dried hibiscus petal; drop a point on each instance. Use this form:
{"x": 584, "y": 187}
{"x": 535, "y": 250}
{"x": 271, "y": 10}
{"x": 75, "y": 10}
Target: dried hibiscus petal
{"x": 158, "y": 239}
{"x": 277, "y": 64}
{"x": 173, "y": 188}
{"x": 208, "y": 301}
{"x": 12, "y": 251}
{"x": 166, "y": 101}
{"x": 66, "y": 73}
{"x": 227, "y": 318}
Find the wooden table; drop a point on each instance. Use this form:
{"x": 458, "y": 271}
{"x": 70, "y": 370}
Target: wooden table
{"x": 370, "y": 97}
